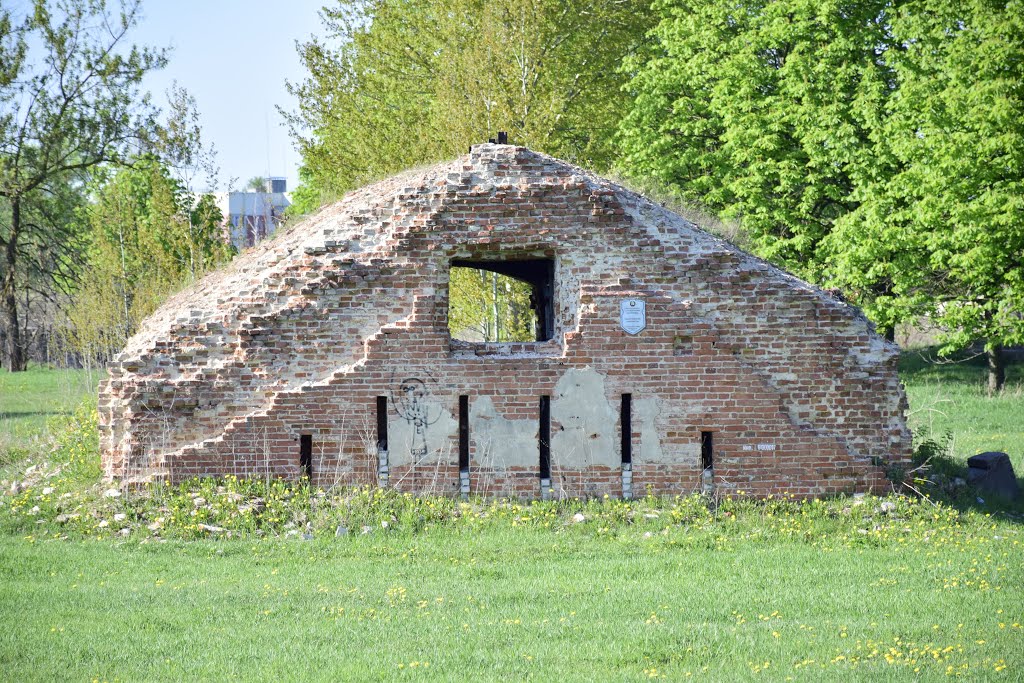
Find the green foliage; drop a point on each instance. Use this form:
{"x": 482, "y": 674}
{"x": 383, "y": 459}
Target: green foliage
{"x": 870, "y": 145}
{"x": 761, "y": 111}
{"x": 148, "y": 237}
{"x": 395, "y": 83}
{"x": 69, "y": 103}
{"x": 944, "y": 231}
{"x": 489, "y": 307}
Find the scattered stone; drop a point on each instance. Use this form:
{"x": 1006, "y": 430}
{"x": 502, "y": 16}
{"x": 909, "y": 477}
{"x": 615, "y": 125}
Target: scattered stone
{"x": 112, "y": 493}
{"x": 290, "y": 533}
{"x": 47, "y": 490}
{"x": 366, "y": 529}
{"x": 384, "y": 524}
{"x": 155, "y": 526}
{"x": 125, "y": 531}
{"x": 103, "y": 524}
{"x": 579, "y": 517}
{"x": 307, "y": 537}
{"x": 651, "y": 515}
{"x": 341, "y": 531}
{"x": 992, "y": 472}
{"x": 198, "y": 501}
{"x": 15, "y": 488}
{"x": 34, "y": 510}
{"x": 61, "y": 519}
{"x": 212, "y": 529}
{"x": 887, "y": 506}
{"x": 120, "y": 517}
{"x": 647, "y": 534}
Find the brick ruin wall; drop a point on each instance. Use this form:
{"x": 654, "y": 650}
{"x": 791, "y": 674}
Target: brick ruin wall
{"x": 302, "y": 334}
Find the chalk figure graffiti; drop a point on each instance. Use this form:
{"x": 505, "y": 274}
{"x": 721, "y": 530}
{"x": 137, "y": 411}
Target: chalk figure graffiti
{"x": 415, "y": 407}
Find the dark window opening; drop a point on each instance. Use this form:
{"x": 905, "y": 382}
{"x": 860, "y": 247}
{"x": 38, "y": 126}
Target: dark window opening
{"x": 706, "y": 451}
{"x": 626, "y": 420}
{"x": 306, "y": 455}
{"x": 501, "y": 301}
{"x": 463, "y": 433}
{"x": 382, "y": 423}
{"x": 544, "y": 441}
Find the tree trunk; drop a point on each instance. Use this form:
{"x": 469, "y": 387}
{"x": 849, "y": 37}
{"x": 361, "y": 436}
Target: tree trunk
{"x": 996, "y": 368}
{"x": 14, "y": 361}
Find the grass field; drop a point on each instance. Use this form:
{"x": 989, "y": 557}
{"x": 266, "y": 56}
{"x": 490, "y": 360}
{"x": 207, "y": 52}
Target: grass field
{"x": 29, "y": 400}
{"x": 952, "y": 398}
{"x": 759, "y": 595}
{"x": 112, "y": 588}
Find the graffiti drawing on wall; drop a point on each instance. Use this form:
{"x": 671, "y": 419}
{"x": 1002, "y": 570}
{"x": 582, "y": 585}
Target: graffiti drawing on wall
{"x": 414, "y": 405}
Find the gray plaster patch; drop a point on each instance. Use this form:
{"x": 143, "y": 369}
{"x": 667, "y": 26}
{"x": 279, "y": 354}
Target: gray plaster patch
{"x": 499, "y": 442}
{"x": 587, "y": 422}
{"x": 421, "y": 438}
{"x": 647, "y": 411}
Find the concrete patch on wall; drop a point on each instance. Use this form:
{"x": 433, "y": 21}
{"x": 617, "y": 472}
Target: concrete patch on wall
{"x": 586, "y": 432}
{"x": 423, "y": 429}
{"x": 647, "y": 411}
{"x": 499, "y": 442}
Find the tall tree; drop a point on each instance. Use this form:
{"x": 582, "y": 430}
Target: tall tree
{"x": 947, "y": 230}
{"x": 147, "y": 237}
{"x": 70, "y": 101}
{"x": 395, "y": 83}
{"x": 762, "y": 111}
{"x": 877, "y": 145}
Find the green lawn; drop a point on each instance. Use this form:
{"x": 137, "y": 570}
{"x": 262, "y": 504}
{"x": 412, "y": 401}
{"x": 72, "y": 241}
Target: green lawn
{"x": 915, "y": 599}
{"x": 29, "y": 400}
{"x": 438, "y": 590}
{"x": 952, "y": 397}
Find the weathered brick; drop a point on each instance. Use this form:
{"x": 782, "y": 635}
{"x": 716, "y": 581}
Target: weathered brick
{"x": 301, "y": 334}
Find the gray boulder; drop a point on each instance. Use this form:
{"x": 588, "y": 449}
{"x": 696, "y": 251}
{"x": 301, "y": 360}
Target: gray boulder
{"x": 993, "y": 472}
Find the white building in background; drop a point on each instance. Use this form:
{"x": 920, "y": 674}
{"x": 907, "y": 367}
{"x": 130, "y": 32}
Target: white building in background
{"x": 252, "y": 216}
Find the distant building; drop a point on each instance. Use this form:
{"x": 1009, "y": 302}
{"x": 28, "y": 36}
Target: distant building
{"x": 251, "y": 216}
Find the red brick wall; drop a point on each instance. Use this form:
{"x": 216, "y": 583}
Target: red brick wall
{"x": 303, "y": 333}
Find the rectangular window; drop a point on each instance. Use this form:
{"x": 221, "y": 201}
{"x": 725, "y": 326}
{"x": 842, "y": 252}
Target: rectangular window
{"x": 706, "y": 451}
{"x": 463, "y": 433}
{"x": 544, "y": 442}
{"x": 382, "y": 423}
{"x": 501, "y": 301}
{"x": 306, "y": 456}
{"x": 626, "y": 422}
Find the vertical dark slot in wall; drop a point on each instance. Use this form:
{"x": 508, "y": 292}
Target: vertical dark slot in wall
{"x": 306, "y": 456}
{"x": 463, "y": 433}
{"x": 382, "y": 423}
{"x": 706, "y": 451}
{"x": 626, "y": 420}
{"x": 544, "y": 442}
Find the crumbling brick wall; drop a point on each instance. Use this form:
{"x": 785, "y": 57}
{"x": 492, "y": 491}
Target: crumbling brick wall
{"x": 309, "y": 333}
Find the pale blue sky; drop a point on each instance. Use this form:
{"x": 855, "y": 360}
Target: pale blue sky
{"x": 234, "y": 57}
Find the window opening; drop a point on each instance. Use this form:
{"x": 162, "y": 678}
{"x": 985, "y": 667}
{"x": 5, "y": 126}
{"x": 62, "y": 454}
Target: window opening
{"x": 706, "y": 451}
{"x": 306, "y": 455}
{"x": 501, "y": 301}
{"x": 544, "y": 442}
{"x": 626, "y": 421}
{"x": 463, "y": 433}
{"x": 382, "y": 423}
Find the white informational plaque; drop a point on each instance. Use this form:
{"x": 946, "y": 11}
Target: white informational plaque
{"x": 633, "y": 315}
